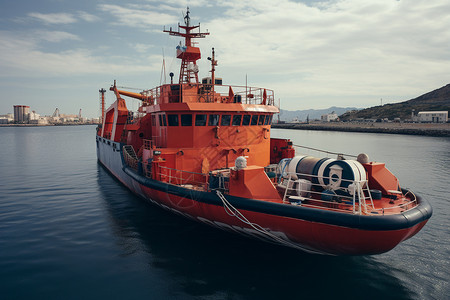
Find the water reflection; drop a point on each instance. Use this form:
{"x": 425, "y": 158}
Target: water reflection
{"x": 203, "y": 261}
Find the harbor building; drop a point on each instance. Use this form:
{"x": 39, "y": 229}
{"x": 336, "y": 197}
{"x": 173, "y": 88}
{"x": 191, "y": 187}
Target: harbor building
{"x": 329, "y": 117}
{"x": 433, "y": 116}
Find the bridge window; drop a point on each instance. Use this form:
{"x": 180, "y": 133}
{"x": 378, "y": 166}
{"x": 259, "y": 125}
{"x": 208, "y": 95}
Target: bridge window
{"x": 261, "y": 120}
{"x": 213, "y": 120}
{"x": 237, "y": 120}
{"x": 173, "y": 120}
{"x": 200, "y": 120}
{"x": 246, "y": 120}
{"x": 186, "y": 120}
{"x": 270, "y": 119}
{"x": 226, "y": 119}
{"x": 254, "y": 120}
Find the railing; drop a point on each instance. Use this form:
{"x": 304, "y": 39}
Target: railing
{"x": 406, "y": 206}
{"x": 242, "y": 94}
{"x": 186, "y": 179}
{"x": 351, "y": 196}
{"x": 148, "y": 144}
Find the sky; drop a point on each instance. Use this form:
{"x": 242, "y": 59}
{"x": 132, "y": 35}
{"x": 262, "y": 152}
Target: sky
{"x": 313, "y": 54}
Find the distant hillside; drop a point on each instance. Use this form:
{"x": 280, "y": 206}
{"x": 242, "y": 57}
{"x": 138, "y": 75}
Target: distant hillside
{"x": 437, "y": 100}
{"x": 301, "y": 115}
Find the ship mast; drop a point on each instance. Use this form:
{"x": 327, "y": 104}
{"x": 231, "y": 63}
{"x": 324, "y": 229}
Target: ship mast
{"x": 188, "y": 53}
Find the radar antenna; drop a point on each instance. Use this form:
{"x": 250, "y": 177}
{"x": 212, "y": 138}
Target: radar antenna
{"x": 188, "y": 53}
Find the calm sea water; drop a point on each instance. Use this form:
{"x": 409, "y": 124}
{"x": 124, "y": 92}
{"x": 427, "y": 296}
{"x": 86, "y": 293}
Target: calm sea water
{"x": 68, "y": 230}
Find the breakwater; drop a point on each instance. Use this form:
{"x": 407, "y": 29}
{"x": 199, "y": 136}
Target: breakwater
{"x": 425, "y": 129}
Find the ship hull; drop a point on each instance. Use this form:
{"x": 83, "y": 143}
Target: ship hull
{"x": 308, "y": 229}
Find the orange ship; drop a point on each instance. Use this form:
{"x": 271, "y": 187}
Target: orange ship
{"x": 203, "y": 150}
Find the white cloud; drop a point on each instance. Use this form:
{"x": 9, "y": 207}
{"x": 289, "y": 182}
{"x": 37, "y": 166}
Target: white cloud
{"x": 56, "y": 36}
{"x": 55, "y": 18}
{"x": 142, "y": 48}
{"x": 87, "y": 17}
{"x": 136, "y": 16}
{"x": 63, "y": 18}
{"x": 21, "y": 57}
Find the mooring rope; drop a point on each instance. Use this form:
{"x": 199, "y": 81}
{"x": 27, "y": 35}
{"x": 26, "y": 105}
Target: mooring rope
{"x": 234, "y": 212}
{"x": 324, "y": 151}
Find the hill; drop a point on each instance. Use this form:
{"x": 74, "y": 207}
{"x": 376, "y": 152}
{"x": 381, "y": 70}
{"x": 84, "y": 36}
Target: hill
{"x": 437, "y": 100}
{"x": 301, "y": 115}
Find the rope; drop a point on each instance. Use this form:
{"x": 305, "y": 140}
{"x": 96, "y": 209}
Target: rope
{"x": 328, "y": 152}
{"x": 233, "y": 212}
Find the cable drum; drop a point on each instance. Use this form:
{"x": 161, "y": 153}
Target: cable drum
{"x": 292, "y": 167}
{"x": 340, "y": 174}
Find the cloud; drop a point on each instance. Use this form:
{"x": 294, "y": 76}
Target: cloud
{"x": 21, "y": 57}
{"x": 88, "y": 17}
{"x": 137, "y": 16}
{"x": 63, "y": 18}
{"x": 56, "y": 36}
{"x": 142, "y": 48}
{"x": 346, "y": 47}
{"x": 55, "y": 18}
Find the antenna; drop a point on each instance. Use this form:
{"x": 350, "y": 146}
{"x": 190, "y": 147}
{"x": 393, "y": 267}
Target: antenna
{"x": 189, "y": 54}
{"x": 163, "y": 69}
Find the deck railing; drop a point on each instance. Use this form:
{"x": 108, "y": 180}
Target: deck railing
{"x": 242, "y": 94}
{"x": 355, "y": 196}
{"x": 186, "y": 179}
{"x": 351, "y": 196}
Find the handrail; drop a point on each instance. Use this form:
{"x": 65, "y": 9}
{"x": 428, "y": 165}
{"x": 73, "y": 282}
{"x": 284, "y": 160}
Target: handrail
{"x": 187, "y": 179}
{"x": 356, "y": 198}
{"x": 248, "y": 95}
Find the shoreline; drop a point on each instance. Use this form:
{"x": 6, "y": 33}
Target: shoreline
{"x": 44, "y": 125}
{"x": 423, "y": 129}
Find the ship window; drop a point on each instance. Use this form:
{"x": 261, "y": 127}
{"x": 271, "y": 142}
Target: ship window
{"x": 160, "y": 120}
{"x": 173, "y": 120}
{"x": 246, "y": 120}
{"x": 266, "y": 120}
{"x": 237, "y": 120}
{"x": 254, "y": 119}
{"x": 261, "y": 120}
{"x": 200, "y": 120}
{"x": 164, "y": 120}
{"x": 226, "y": 119}
{"x": 186, "y": 120}
{"x": 153, "y": 120}
{"x": 270, "y": 119}
{"x": 213, "y": 120}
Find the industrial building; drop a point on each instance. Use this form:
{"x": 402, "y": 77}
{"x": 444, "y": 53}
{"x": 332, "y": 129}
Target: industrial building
{"x": 21, "y": 114}
{"x": 432, "y": 116}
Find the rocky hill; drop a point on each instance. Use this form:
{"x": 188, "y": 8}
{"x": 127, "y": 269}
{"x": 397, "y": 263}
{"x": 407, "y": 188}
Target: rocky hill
{"x": 437, "y": 100}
